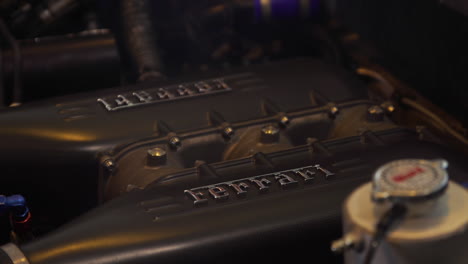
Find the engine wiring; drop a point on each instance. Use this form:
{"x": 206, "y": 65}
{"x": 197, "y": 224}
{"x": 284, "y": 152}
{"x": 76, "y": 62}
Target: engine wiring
{"x": 434, "y": 117}
{"x": 389, "y": 89}
{"x": 20, "y": 217}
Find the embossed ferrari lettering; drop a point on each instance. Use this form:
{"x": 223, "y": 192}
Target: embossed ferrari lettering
{"x": 159, "y": 95}
{"x": 260, "y": 184}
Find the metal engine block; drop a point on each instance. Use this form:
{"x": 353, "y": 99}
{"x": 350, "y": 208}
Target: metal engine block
{"x": 251, "y": 162}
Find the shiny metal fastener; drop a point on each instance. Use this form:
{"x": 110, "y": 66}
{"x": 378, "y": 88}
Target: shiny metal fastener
{"x": 228, "y": 132}
{"x": 333, "y": 110}
{"x": 284, "y": 121}
{"x": 156, "y": 157}
{"x": 269, "y": 134}
{"x": 388, "y": 107}
{"x": 375, "y": 113}
{"x": 108, "y": 163}
{"x": 349, "y": 241}
{"x": 175, "y": 142}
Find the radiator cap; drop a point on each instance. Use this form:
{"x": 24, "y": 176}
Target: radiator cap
{"x": 410, "y": 180}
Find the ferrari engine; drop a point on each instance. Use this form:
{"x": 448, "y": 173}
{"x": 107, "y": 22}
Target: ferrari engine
{"x": 235, "y": 130}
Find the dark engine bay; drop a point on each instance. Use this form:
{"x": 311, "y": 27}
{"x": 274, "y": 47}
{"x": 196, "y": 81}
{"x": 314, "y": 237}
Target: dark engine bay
{"x": 138, "y": 131}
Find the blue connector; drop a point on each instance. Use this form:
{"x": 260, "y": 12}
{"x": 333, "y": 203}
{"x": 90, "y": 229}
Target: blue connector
{"x": 16, "y": 204}
{"x": 286, "y": 9}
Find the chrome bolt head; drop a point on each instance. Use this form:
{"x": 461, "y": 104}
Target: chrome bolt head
{"x": 175, "y": 142}
{"x": 156, "y": 157}
{"x": 269, "y": 134}
{"x": 375, "y": 113}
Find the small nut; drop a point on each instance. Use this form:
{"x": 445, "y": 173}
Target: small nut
{"x": 156, "y": 157}
{"x": 375, "y": 113}
{"x": 175, "y": 142}
{"x": 269, "y": 134}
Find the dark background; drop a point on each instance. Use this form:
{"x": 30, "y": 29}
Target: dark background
{"x": 424, "y": 43}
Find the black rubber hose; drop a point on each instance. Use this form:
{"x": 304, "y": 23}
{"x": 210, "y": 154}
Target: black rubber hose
{"x": 388, "y": 221}
{"x": 17, "y": 64}
{"x": 2, "y": 89}
{"x": 139, "y": 37}
{"x": 50, "y": 63}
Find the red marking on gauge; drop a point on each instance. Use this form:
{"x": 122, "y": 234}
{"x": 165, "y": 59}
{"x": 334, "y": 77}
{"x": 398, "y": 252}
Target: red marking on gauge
{"x": 405, "y": 176}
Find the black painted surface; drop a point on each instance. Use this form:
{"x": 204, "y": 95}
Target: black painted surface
{"x": 161, "y": 225}
{"x": 54, "y": 145}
